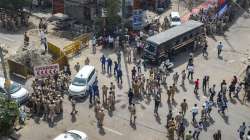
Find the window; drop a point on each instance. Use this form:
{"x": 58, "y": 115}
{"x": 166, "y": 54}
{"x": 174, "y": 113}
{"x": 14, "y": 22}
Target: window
{"x": 79, "y": 82}
{"x": 2, "y": 91}
{"x": 91, "y": 75}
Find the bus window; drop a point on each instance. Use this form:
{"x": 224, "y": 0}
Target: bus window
{"x": 150, "y": 48}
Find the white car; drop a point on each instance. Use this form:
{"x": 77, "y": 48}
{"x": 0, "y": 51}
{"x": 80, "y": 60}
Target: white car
{"x": 17, "y": 92}
{"x": 175, "y": 19}
{"x": 72, "y": 135}
{"x": 83, "y": 80}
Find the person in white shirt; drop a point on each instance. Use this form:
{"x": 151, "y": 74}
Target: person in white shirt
{"x": 190, "y": 69}
{"x": 194, "y": 111}
{"x": 43, "y": 40}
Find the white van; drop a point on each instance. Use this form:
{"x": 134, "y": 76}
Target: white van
{"x": 82, "y": 81}
{"x": 175, "y": 19}
{"x": 72, "y": 135}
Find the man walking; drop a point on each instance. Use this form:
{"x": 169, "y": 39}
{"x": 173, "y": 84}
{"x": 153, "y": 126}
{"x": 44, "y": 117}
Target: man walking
{"x": 175, "y": 78}
{"x": 242, "y": 130}
{"x": 103, "y": 60}
{"x": 219, "y": 48}
{"x": 109, "y": 61}
{"x": 157, "y": 104}
{"x": 77, "y": 67}
{"x": 104, "y": 94}
{"x": 183, "y": 77}
{"x": 119, "y": 76}
{"x": 132, "y": 114}
{"x": 184, "y": 107}
{"x": 196, "y": 86}
{"x": 194, "y": 111}
{"x": 190, "y": 69}
{"x": 130, "y": 96}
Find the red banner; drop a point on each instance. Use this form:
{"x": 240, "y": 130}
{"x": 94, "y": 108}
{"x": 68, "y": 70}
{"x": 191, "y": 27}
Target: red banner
{"x": 58, "y": 6}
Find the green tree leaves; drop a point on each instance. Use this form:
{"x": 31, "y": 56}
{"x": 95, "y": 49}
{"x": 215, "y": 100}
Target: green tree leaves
{"x": 8, "y": 115}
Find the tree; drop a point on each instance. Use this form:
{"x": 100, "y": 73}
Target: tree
{"x": 14, "y": 5}
{"x": 8, "y": 115}
{"x": 113, "y": 7}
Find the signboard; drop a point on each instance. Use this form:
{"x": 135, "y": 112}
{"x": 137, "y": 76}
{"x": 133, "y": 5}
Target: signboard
{"x": 137, "y": 19}
{"x": 47, "y": 70}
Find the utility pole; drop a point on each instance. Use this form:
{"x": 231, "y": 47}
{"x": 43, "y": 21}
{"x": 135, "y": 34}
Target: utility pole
{"x": 7, "y": 81}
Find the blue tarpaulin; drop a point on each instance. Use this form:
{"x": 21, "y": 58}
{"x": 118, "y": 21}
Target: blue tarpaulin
{"x": 222, "y": 10}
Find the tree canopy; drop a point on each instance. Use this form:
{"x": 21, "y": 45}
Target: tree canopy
{"x": 8, "y": 115}
{"x": 13, "y": 4}
{"x": 113, "y": 8}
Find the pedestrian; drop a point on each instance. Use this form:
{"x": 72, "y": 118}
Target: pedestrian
{"x": 175, "y": 78}
{"x": 132, "y": 114}
{"x": 169, "y": 93}
{"x": 104, "y": 94}
{"x": 238, "y": 89}
{"x": 91, "y": 94}
{"x": 171, "y": 129}
{"x": 212, "y": 93}
{"x": 129, "y": 54}
{"x": 204, "y": 49}
{"x": 86, "y": 62}
{"x": 115, "y": 67}
{"x": 242, "y": 130}
{"x": 119, "y": 76}
{"x": 197, "y": 130}
{"x": 219, "y": 48}
{"x": 169, "y": 117}
{"x": 204, "y": 83}
{"x": 184, "y": 107}
{"x": 52, "y": 107}
{"x": 119, "y": 57}
{"x": 223, "y": 86}
{"x": 133, "y": 71}
{"x": 172, "y": 91}
{"x": 217, "y": 135}
{"x": 181, "y": 131}
{"x": 157, "y": 104}
{"x": 43, "y": 39}
{"x": 109, "y": 61}
{"x": 189, "y": 135}
{"x": 194, "y": 111}
{"x": 190, "y": 69}
{"x": 94, "y": 45}
{"x": 73, "y": 104}
{"x": 130, "y": 96}
{"x": 110, "y": 101}
{"x": 196, "y": 86}
{"x": 231, "y": 89}
{"x": 77, "y": 67}
{"x": 103, "y": 61}
{"x": 26, "y": 39}
{"x": 100, "y": 117}
{"x": 183, "y": 77}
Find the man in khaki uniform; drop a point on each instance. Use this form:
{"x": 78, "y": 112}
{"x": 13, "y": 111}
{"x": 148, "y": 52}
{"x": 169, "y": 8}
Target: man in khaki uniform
{"x": 172, "y": 90}
{"x": 46, "y": 109}
{"x": 52, "y": 108}
{"x": 104, "y": 94}
{"x": 171, "y": 129}
{"x": 184, "y": 107}
{"x": 100, "y": 117}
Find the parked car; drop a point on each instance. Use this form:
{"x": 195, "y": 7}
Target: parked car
{"x": 72, "y": 135}
{"x": 175, "y": 19}
{"x": 17, "y": 92}
{"x": 83, "y": 80}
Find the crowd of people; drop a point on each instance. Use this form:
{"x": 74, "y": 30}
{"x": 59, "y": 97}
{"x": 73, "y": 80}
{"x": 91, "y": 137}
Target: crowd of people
{"x": 215, "y": 22}
{"x": 12, "y": 22}
{"x": 46, "y": 100}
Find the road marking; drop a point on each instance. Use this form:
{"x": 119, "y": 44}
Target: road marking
{"x": 6, "y": 38}
{"x": 113, "y": 131}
